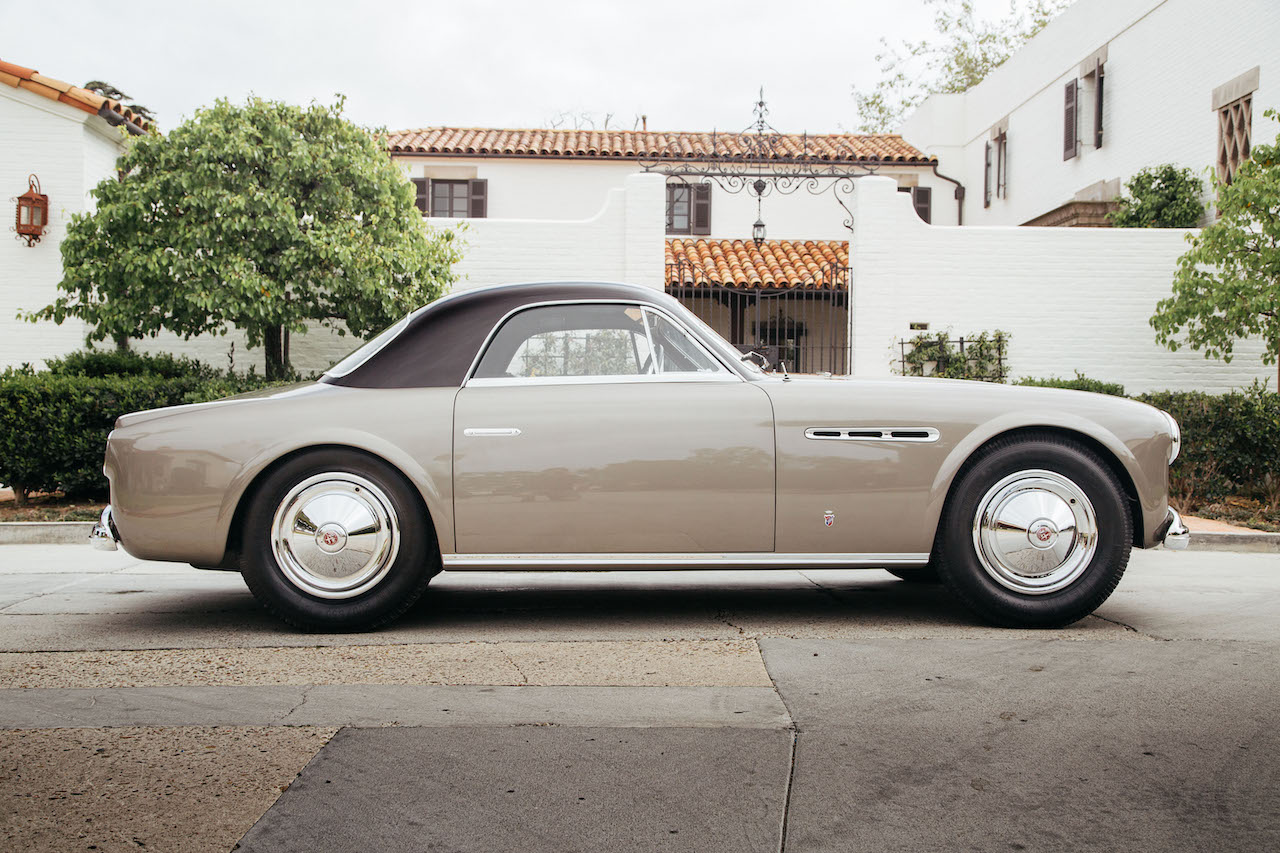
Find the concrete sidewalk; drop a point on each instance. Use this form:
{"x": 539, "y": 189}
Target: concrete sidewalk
{"x": 156, "y": 705}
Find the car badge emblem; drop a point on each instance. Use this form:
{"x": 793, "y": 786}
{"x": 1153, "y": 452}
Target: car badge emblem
{"x": 828, "y": 518}
{"x": 330, "y": 538}
{"x": 1044, "y": 534}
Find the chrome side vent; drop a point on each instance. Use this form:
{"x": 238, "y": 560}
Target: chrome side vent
{"x": 905, "y": 434}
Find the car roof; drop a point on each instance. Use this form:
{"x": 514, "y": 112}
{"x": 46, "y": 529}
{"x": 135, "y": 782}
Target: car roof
{"x": 441, "y": 340}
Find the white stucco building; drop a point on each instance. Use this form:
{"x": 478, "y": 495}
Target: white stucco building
{"x": 1107, "y": 88}
{"x": 69, "y": 139}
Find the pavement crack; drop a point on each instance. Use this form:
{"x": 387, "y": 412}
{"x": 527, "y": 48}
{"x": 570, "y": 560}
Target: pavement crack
{"x": 1129, "y": 628}
{"x": 302, "y": 700}
{"x": 524, "y": 679}
{"x": 723, "y": 616}
{"x": 786, "y": 800}
{"x": 827, "y": 591}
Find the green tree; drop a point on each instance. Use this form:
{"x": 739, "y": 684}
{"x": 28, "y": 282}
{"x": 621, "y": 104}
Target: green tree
{"x": 264, "y": 217}
{"x": 965, "y": 50}
{"x": 1161, "y": 196}
{"x": 1227, "y": 286}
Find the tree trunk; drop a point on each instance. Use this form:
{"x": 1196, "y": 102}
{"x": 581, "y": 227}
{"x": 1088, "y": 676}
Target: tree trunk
{"x": 277, "y": 361}
{"x": 122, "y": 342}
{"x": 19, "y": 495}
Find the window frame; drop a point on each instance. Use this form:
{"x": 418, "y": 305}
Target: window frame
{"x": 697, "y": 206}
{"x": 476, "y": 196}
{"x": 726, "y": 374}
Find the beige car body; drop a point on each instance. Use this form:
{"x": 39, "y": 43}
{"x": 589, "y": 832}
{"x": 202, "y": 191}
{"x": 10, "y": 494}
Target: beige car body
{"x": 724, "y": 472}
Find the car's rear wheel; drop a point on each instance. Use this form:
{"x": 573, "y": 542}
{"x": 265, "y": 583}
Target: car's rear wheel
{"x": 335, "y": 540}
{"x": 1037, "y": 533}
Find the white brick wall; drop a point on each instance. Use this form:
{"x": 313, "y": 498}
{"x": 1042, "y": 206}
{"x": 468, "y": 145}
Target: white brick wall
{"x": 1072, "y": 298}
{"x": 1164, "y": 59}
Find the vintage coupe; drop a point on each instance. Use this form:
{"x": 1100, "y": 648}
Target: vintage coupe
{"x": 604, "y": 426}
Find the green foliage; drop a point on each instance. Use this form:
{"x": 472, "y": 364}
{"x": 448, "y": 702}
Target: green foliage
{"x": 1231, "y": 445}
{"x": 54, "y": 424}
{"x": 97, "y": 363}
{"x": 1079, "y": 383}
{"x": 1160, "y": 197}
{"x": 980, "y": 357}
{"x": 1227, "y": 286}
{"x": 965, "y": 51}
{"x": 265, "y": 217}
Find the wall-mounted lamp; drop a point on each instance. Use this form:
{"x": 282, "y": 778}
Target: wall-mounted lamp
{"x": 32, "y": 215}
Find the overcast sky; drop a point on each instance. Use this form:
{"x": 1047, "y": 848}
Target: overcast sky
{"x": 488, "y": 63}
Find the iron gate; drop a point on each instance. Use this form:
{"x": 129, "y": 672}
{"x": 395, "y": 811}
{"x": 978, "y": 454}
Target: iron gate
{"x": 804, "y": 327}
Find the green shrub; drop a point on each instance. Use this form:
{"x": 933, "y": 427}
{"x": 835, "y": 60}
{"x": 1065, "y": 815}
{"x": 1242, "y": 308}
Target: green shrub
{"x": 97, "y": 363}
{"x": 1161, "y": 196}
{"x": 980, "y": 357}
{"x": 1230, "y": 445}
{"x": 54, "y": 426}
{"x": 1079, "y": 383}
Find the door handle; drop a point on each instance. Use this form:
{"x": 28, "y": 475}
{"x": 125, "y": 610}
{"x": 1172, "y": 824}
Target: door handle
{"x": 490, "y": 432}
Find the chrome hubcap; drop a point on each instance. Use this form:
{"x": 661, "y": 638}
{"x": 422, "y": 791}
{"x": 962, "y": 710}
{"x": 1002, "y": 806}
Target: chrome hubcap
{"x": 1035, "y": 532}
{"x": 335, "y": 535}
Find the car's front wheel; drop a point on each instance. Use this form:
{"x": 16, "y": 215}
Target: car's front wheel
{"x": 336, "y": 541}
{"x": 1037, "y": 533}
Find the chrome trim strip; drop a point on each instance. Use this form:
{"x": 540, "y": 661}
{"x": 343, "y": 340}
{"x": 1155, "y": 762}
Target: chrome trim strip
{"x": 873, "y": 433}
{"x": 621, "y": 379}
{"x": 482, "y": 432}
{"x": 484, "y": 347}
{"x": 104, "y": 536}
{"x": 719, "y": 560}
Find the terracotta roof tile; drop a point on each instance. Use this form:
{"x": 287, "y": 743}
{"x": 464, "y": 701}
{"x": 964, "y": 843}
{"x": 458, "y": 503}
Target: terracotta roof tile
{"x": 21, "y": 77}
{"x": 821, "y": 264}
{"x": 631, "y": 145}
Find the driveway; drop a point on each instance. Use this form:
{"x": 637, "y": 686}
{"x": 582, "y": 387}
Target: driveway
{"x": 154, "y": 704}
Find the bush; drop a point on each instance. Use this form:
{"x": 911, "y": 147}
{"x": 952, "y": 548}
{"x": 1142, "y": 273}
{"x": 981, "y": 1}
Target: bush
{"x": 1079, "y": 383}
{"x": 54, "y": 424}
{"x": 98, "y": 363}
{"x": 1160, "y": 197}
{"x": 979, "y": 357}
{"x": 1230, "y": 446}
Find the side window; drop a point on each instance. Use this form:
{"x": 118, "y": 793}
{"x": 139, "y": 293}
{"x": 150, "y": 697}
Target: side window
{"x": 597, "y": 340}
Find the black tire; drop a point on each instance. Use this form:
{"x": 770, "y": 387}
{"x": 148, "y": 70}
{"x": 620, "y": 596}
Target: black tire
{"x": 923, "y": 574}
{"x": 392, "y": 582}
{"x": 988, "y": 575}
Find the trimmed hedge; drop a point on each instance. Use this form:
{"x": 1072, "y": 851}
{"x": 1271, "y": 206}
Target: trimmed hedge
{"x": 1230, "y": 445}
{"x": 54, "y": 424}
{"x": 1079, "y": 383}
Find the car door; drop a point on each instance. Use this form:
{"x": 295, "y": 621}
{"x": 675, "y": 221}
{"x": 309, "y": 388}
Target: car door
{"x": 606, "y": 428}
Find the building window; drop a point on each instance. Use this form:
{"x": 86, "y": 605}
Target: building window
{"x": 452, "y": 199}
{"x": 1234, "y": 123}
{"x": 1099, "y": 77}
{"x": 995, "y": 181}
{"x": 921, "y": 200}
{"x": 1071, "y": 121}
{"x": 688, "y": 208}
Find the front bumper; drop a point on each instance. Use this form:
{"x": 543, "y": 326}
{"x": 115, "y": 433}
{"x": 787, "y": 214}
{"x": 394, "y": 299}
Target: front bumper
{"x": 104, "y": 535}
{"x": 1175, "y": 536}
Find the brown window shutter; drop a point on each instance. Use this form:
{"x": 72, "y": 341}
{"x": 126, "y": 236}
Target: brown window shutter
{"x": 421, "y": 198}
{"x": 922, "y": 197}
{"x": 478, "y": 191}
{"x": 986, "y": 179}
{"x": 1069, "y": 128}
{"x": 1099, "y": 76}
{"x": 701, "y": 209}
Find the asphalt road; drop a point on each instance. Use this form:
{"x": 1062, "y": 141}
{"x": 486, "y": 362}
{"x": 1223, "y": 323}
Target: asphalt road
{"x": 155, "y": 705}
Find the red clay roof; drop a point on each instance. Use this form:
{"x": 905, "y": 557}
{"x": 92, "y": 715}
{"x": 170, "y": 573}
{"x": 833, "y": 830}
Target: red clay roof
{"x": 55, "y": 90}
{"x": 821, "y": 264}
{"x": 634, "y": 144}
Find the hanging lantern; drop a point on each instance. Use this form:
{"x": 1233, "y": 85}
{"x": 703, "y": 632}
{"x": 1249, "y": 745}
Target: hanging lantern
{"x": 32, "y": 215}
{"x": 758, "y": 233}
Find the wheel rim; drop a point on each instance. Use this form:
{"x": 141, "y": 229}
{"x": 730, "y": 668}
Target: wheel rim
{"x": 1035, "y": 532}
{"x": 335, "y": 535}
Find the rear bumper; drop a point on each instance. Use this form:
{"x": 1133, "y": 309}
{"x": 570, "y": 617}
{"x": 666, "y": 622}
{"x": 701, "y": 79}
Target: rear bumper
{"x": 1174, "y": 535}
{"x": 104, "y": 535}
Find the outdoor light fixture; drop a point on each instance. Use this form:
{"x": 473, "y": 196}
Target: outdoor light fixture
{"x": 32, "y": 214}
{"x": 758, "y": 233}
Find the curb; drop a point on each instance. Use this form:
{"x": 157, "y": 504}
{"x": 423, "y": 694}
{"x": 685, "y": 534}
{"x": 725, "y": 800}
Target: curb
{"x": 45, "y": 532}
{"x": 77, "y": 533}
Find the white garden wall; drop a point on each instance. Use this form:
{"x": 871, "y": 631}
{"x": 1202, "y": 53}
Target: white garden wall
{"x": 1072, "y": 298}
